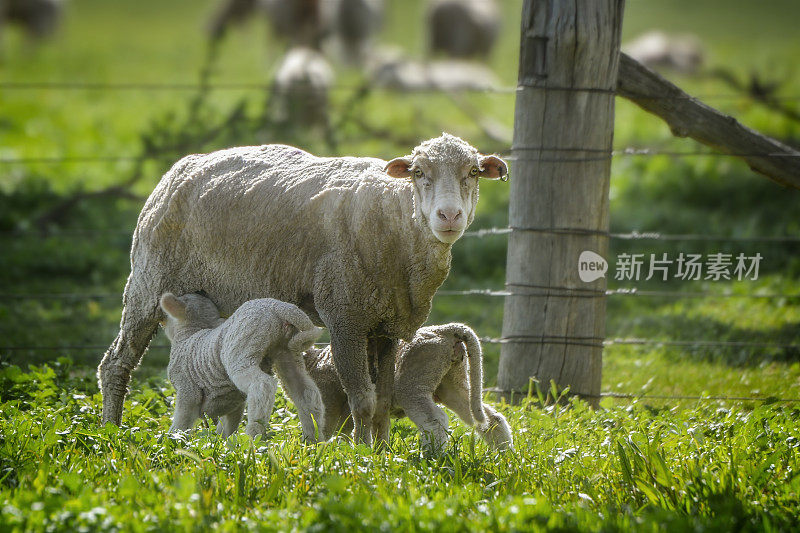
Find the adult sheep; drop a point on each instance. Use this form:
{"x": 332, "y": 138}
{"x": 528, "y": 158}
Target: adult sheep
{"x": 359, "y": 244}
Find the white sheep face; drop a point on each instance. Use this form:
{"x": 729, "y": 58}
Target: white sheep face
{"x": 445, "y": 172}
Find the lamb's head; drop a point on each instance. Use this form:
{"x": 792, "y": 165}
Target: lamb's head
{"x": 445, "y": 172}
{"x": 189, "y": 312}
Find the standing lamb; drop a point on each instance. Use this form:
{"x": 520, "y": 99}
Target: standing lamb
{"x": 216, "y": 364}
{"x": 361, "y": 245}
{"x": 441, "y": 364}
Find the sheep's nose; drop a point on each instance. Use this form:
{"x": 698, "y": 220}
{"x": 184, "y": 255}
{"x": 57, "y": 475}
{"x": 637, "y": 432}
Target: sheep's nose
{"x": 449, "y": 215}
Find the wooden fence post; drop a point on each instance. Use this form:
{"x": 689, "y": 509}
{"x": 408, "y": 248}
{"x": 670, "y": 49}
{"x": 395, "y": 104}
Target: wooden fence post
{"x": 554, "y": 323}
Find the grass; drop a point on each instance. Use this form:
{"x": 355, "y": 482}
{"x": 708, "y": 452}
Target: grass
{"x": 703, "y": 467}
{"x": 646, "y": 464}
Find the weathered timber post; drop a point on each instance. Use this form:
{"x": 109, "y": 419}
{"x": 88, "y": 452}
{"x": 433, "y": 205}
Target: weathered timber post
{"x": 554, "y": 323}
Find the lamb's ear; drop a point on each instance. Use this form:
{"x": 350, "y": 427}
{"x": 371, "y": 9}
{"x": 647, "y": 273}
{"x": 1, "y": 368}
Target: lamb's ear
{"x": 173, "y": 306}
{"x": 493, "y": 167}
{"x": 399, "y": 167}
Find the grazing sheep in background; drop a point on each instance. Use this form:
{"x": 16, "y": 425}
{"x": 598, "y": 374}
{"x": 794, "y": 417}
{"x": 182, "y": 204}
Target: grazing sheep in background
{"x": 231, "y": 12}
{"x": 355, "y": 23}
{"x": 39, "y": 18}
{"x": 300, "y": 22}
{"x": 390, "y": 69}
{"x": 656, "y": 49}
{"x": 441, "y": 364}
{"x": 463, "y": 28}
{"x": 216, "y": 364}
{"x": 301, "y": 87}
{"x": 360, "y": 244}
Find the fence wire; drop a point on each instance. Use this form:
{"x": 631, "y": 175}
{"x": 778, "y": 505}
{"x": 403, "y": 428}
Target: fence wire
{"x": 265, "y": 86}
{"x": 645, "y": 396}
{"x": 481, "y": 233}
{"x": 622, "y": 152}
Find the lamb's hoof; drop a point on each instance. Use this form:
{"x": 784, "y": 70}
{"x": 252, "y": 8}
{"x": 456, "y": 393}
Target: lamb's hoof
{"x": 255, "y": 429}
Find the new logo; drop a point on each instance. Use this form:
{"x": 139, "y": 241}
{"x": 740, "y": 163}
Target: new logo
{"x": 591, "y": 266}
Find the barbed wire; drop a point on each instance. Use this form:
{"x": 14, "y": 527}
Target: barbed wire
{"x": 646, "y": 235}
{"x": 262, "y": 86}
{"x": 481, "y": 233}
{"x": 528, "y": 339}
{"x": 623, "y": 152}
{"x": 599, "y": 342}
{"x": 645, "y": 396}
{"x": 623, "y": 291}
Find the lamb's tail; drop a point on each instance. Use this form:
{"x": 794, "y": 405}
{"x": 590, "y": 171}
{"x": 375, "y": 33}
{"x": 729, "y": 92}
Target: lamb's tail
{"x": 465, "y": 334}
{"x": 307, "y": 332}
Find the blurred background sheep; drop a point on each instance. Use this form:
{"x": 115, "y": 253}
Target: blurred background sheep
{"x": 464, "y": 29}
{"x": 37, "y": 18}
{"x": 658, "y": 50}
{"x": 301, "y": 85}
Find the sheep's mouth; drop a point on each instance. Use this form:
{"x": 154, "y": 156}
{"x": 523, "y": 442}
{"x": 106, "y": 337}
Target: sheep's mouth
{"x": 448, "y": 236}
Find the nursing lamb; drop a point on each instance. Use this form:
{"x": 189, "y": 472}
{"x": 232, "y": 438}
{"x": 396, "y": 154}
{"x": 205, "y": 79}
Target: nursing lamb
{"x": 441, "y": 364}
{"x": 359, "y": 244}
{"x": 216, "y": 365}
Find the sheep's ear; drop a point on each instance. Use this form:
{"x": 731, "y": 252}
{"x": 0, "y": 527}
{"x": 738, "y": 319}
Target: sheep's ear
{"x": 493, "y": 167}
{"x": 399, "y": 167}
{"x": 173, "y": 306}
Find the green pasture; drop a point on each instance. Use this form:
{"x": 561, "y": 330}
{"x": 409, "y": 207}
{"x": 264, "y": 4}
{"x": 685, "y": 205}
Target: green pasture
{"x": 647, "y": 464}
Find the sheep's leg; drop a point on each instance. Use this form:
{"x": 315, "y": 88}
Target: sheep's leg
{"x": 260, "y": 389}
{"x": 140, "y": 316}
{"x": 350, "y": 358}
{"x": 229, "y": 423}
{"x": 187, "y": 408}
{"x": 384, "y": 386}
{"x": 304, "y": 393}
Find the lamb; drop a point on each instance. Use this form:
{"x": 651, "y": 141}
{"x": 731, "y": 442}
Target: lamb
{"x": 464, "y": 29}
{"x": 216, "y": 364}
{"x": 301, "y": 88}
{"x": 440, "y": 364}
{"x": 360, "y": 244}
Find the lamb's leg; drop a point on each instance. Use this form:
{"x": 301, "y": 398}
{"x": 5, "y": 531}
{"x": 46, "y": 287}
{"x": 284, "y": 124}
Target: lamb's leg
{"x": 350, "y": 358}
{"x": 187, "y": 408}
{"x": 419, "y": 374}
{"x": 304, "y": 393}
{"x": 140, "y": 316}
{"x": 455, "y": 396}
{"x": 384, "y": 386}
{"x": 260, "y": 389}
{"x": 429, "y": 418}
{"x": 229, "y": 423}
{"x": 497, "y": 433}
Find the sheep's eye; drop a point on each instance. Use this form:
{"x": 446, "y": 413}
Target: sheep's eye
{"x": 473, "y": 171}
{"x": 418, "y": 173}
